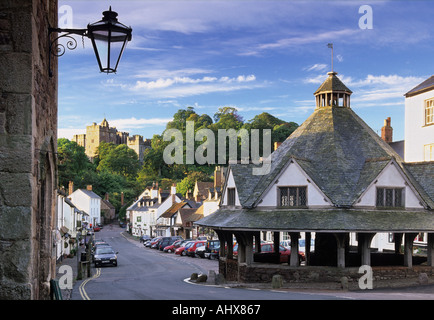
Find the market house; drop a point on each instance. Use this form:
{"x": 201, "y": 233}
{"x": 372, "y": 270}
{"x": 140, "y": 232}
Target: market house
{"x": 333, "y": 176}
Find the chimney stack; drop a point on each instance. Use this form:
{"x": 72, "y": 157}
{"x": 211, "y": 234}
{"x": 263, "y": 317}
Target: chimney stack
{"x": 387, "y": 131}
{"x": 70, "y": 187}
{"x": 277, "y": 145}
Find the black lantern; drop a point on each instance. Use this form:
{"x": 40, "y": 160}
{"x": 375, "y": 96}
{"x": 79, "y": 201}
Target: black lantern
{"x": 109, "y": 39}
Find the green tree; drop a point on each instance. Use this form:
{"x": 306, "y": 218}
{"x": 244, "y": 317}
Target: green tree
{"x": 121, "y": 160}
{"x": 189, "y": 181}
{"x": 72, "y": 161}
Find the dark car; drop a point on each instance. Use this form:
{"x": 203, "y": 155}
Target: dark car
{"x": 104, "y": 255}
{"x": 145, "y": 238}
{"x": 167, "y": 241}
{"x": 212, "y": 249}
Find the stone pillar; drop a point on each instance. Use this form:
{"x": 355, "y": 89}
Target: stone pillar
{"x": 294, "y": 260}
{"x": 408, "y": 249}
{"x": 365, "y": 247}
{"x": 340, "y": 242}
{"x": 430, "y": 249}
{"x": 248, "y": 236}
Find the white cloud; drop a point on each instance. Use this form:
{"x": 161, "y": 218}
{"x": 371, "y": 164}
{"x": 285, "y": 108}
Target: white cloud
{"x": 317, "y": 67}
{"x": 134, "y": 123}
{"x": 68, "y": 133}
{"x": 374, "y": 87}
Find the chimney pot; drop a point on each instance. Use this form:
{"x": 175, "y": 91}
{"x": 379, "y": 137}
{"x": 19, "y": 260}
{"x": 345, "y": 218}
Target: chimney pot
{"x": 387, "y": 131}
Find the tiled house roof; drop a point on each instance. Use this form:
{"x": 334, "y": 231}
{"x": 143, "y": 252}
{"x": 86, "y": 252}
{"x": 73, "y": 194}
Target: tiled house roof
{"x": 334, "y": 147}
{"x": 426, "y": 85}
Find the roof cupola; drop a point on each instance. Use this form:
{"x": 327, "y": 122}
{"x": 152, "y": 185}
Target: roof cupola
{"x": 332, "y": 93}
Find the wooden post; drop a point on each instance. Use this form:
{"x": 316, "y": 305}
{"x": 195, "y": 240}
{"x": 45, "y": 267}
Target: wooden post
{"x": 276, "y": 244}
{"x": 430, "y": 249}
{"x": 308, "y": 239}
{"x": 294, "y": 260}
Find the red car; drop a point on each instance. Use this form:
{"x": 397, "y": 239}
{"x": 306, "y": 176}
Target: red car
{"x": 96, "y": 228}
{"x": 181, "y": 250}
{"x": 173, "y": 246}
{"x": 191, "y": 251}
{"x": 269, "y": 247}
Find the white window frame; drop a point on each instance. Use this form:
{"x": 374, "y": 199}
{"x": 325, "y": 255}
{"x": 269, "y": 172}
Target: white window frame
{"x": 429, "y": 112}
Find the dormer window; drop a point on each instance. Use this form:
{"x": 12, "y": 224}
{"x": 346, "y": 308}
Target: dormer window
{"x": 390, "y": 197}
{"x": 231, "y": 196}
{"x": 292, "y": 196}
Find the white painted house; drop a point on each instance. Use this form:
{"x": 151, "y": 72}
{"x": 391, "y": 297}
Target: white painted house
{"x": 88, "y": 201}
{"x": 69, "y": 218}
{"x": 419, "y": 122}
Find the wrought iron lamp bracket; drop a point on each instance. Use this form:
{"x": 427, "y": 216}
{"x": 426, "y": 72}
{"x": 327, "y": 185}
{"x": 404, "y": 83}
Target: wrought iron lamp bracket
{"x": 57, "y": 49}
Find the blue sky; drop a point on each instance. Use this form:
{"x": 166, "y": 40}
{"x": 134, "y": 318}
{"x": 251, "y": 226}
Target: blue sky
{"x": 253, "y": 55}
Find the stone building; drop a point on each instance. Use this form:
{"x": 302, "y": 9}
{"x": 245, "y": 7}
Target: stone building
{"x": 28, "y": 146}
{"x": 332, "y": 176}
{"x": 98, "y": 133}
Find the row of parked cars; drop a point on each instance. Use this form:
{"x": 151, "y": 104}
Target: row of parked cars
{"x": 200, "y": 247}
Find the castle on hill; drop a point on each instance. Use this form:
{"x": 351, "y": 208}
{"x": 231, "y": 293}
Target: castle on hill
{"x": 97, "y": 133}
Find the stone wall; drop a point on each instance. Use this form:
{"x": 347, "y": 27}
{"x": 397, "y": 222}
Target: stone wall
{"x": 263, "y": 273}
{"x": 28, "y": 144}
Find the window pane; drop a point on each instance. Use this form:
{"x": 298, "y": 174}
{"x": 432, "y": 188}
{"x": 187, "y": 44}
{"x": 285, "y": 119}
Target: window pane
{"x": 284, "y": 201}
{"x": 380, "y": 197}
{"x": 302, "y": 196}
{"x": 389, "y": 198}
{"x": 231, "y": 196}
{"x": 292, "y": 197}
{"x": 398, "y": 198}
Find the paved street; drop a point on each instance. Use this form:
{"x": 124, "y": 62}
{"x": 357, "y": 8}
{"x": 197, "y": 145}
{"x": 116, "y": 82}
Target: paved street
{"x": 148, "y": 274}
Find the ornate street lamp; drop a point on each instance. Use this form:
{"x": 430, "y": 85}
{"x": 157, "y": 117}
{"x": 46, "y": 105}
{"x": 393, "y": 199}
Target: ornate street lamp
{"x": 109, "y": 38}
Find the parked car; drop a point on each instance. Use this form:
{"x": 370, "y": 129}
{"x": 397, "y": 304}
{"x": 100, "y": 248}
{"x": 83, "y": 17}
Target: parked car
{"x": 302, "y": 245}
{"x": 269, "y": 247}
{"x": 191, "y": 251}
{"x": 212, "y": 249}
{"x": 105, "y": 255}
{"x": 144, "y": 238}
{"x": 181, "y": 249}
{"x": 167, "y": 241}
{"x": 149, "y": 243}
{"x": 286, "y": 244}
{"x": 155, "y": 243}
{"x": 200, "y": 252}
{"x": 173, "y": 246}
{"x": 96, "y": 228}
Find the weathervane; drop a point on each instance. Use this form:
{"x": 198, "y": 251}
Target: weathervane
{"x": 330, "y": 45}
